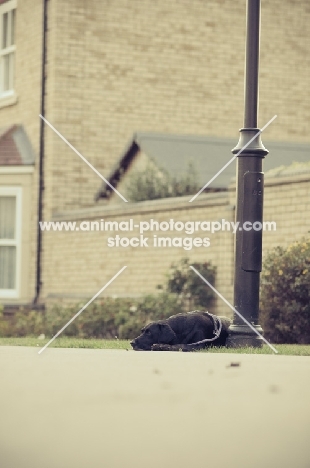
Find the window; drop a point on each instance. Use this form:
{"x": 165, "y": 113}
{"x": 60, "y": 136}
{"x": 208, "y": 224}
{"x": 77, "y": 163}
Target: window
{"x": 10, "y": 241}
{"x": 7, "y": 47}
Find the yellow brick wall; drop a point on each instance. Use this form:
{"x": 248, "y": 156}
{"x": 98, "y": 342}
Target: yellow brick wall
{"x": 177, "y": 67}
{"x": 287, "y": 203}
{"x": 174, "y": 67}
{"x": 78, "y": 264}
{"x": 119, "y": 67}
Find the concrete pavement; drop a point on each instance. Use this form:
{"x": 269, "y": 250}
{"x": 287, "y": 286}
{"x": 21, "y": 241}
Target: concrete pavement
{"x": 77, "y": 408}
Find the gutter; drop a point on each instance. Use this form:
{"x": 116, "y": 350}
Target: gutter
{"x": 41, "y": 156}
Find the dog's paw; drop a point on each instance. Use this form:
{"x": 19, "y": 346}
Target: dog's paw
{"x": 167, "y": 347}
{"x": 161, "y": 347}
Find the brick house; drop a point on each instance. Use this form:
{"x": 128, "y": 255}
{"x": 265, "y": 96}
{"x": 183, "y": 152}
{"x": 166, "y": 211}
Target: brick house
{"x": 110, "y": 70}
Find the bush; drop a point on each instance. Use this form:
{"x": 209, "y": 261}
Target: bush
{"x": 107, "y": 318}
{"x": 285, "y": 294}
{"x": 192, "y": 291}
{"x": 154, "y": 183}
{"x": 22, "y": 323}
{"x": 122, "y": 318}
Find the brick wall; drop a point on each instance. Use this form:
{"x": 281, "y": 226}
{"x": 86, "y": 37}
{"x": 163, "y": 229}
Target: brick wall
{"x": 287, "y": 203}
{"x": 177, "y": 66}
{"x": 79, "y": 263}
{"x": 114, "y": 68}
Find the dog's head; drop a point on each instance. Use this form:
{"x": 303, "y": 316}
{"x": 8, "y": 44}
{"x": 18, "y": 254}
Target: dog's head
{"x": 156, "y": 332}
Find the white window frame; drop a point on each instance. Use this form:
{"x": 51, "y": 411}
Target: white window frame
{"x": 16, "y": 192}
{"x": 5, "y": 8}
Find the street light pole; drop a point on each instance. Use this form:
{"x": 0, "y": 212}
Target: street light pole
{"x": 250, "y": 190}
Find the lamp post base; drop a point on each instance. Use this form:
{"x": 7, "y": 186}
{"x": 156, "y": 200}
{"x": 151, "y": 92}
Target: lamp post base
{"x": 241, "y": 336}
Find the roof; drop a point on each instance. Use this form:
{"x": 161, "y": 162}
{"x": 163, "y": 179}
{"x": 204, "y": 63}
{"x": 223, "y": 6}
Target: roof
{"x": 208, "y": 155}
{"x": 15, "y": 147}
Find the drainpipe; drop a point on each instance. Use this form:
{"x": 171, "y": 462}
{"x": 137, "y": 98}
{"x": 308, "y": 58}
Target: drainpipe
{"x": 41, "y": 156}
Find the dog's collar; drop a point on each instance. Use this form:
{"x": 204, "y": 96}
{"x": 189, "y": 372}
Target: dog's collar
{"x": 217, "y": 328}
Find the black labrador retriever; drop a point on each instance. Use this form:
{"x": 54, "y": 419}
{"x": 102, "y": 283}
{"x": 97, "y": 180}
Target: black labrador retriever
{"x": 183, "y": 332}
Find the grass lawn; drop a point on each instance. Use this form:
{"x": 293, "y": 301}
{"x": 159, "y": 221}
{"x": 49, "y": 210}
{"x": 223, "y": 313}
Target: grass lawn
{"x": 68, "y": 342}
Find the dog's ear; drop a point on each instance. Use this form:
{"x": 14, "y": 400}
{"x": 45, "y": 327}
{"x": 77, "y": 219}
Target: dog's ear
{"x": 166, "y": 334}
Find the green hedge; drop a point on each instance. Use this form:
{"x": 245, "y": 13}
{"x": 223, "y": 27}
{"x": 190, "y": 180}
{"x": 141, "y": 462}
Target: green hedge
{"x": 285, "y": 294}
{"x": 123, "y": 318}
{"x": 192, "y": 290}
{"x": 154, "y": 183}
{"x": 107, "y": 318}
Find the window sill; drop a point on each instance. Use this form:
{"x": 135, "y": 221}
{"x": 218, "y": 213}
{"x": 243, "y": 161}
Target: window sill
{"x": 9, "y": 294}
{"x": 8, "y": 100}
